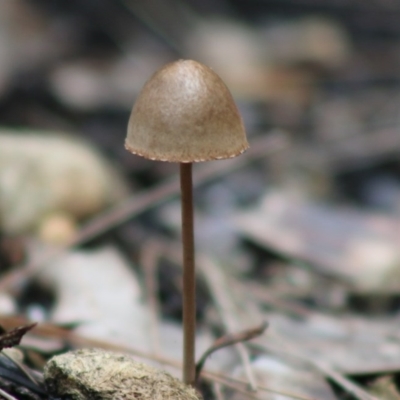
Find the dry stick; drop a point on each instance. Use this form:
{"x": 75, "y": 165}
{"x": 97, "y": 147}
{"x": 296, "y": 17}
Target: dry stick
{"x": 149, "y": 259}
{"x": 151, "y": 23}
{"x": 349, "y": 386}
{"x": 189, "y": 278}
{"x": 258, "y": 293}
{"x": 217, "y": 391}
{"x": 13, "y": 337}
{"x": 25, "y": 370}
{"x": 229, "y": 340}
{"x": 6, "y": 395}
{"x": 224, "y": 380}
{"x": 342, "y": 381}
{"x": 323, "y": 368}
{"x": 216, "y": 282}
{"x": 137, "y": 204}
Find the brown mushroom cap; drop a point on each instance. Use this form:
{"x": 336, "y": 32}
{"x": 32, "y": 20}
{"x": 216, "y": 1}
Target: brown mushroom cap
{"x": 185, "y": 113}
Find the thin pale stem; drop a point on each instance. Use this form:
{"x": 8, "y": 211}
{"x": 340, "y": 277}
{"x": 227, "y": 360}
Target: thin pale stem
{"x": 189, "y": 279}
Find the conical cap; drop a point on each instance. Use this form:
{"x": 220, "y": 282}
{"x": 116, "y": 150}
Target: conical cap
{"x": 185, "y": 113}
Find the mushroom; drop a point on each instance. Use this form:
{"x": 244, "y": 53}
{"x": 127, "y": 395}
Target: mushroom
{"x": 185, "y": 114}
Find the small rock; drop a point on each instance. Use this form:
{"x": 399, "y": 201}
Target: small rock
{"x": 96, "y": 374}
{"x": 57, "y": 228}
{"x": 44, "y": 173}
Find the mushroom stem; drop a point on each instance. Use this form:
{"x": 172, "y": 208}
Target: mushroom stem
{"x": 189, "y": 279}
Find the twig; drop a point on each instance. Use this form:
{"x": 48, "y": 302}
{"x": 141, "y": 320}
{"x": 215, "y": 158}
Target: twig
{"x": 217, "y": 283}
{"x": 342, "y": 381}
{"x": 23, "y": 368}
{"x": 339, "y": 379}
{"x": 229, "y": 340}
{"x": 6, "y": 395}
{"x": 227, "y": 381}
{"x": 147, "y": 18}
{"x": 217, "y": 391}
{"x": 149, "y": 258}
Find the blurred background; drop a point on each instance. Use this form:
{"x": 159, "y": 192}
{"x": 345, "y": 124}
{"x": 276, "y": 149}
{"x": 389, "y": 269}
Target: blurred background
{"x": 308, "y": 219}
{"x": 326, "y": 73}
